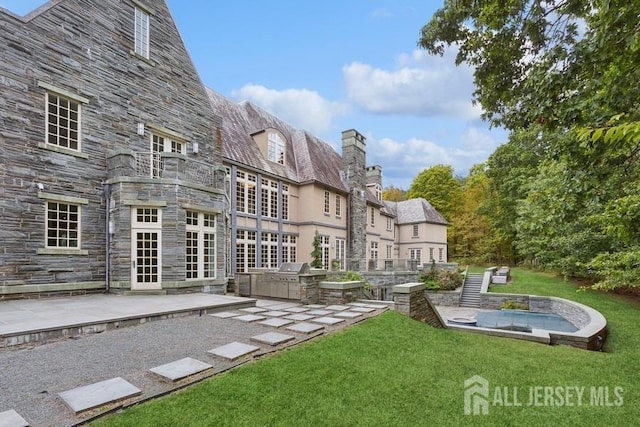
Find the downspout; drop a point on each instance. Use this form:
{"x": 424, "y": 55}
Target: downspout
{"x": 106, "y": 188}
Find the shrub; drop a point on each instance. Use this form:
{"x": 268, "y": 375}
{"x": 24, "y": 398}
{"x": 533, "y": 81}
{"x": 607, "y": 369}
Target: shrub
{"x": 444, "y": 280}
{"x": 514, "y": 305}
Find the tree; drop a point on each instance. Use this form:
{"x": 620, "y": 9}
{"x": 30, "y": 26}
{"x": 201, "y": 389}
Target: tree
{"x": 393, "y": 194}
{"x": 559, "y": 63}
{"x": 316, "y": 253}
{"x": 439, "y": 187}
{"x": 566, "y": 71}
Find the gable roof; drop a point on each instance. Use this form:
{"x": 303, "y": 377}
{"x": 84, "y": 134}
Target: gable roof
{"x": 309, "y": 159}
{"x": 414, "y": 211}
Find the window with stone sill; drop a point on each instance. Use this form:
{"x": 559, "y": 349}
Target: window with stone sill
{"x": 63, "y": 122}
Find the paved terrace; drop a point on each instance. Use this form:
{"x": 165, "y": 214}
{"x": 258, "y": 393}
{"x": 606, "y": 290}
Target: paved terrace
{"x": 71, "y": 375}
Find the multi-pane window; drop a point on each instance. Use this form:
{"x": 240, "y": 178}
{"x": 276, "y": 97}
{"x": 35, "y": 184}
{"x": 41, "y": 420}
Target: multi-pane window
{"x": 389, "y": 251}
{"x": 415, "y": 254}
{"x": 389, "y": 224}
{"x": 341, "y": 252}
{"x": 245, "y": 250}
{"x": 338, "y": 206}
{"x": 326, "y": 202}
{"x": 245, "y": 192}
{"x": 161, "y": 144}
{"x": 374, "y": 250}
{"x": 200, "y": 245}
{"x": 285, "y": 202}
{"x": 63, "y": 225}
{"x": 63, "y": 122}
{"x": 269, "y": 250}
{"x": 324, "y": 248}
{"x": 289, "y": 253}
{"x": 275, "y": 148}
{"x": 440, "y": 254}
{"x": 373, "y": 217}
{"x": 269, "y": 202}
{"x": 142, "y": 33}
{"x": 415, "y": 230}
{"x": 431, "y": 254}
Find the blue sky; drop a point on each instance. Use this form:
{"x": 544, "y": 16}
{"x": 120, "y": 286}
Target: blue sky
{"x": 330, "y": 66}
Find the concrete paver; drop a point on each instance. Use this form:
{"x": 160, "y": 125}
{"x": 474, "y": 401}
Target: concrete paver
{"x": 276, "y": 322}
{"x": 98, "y": 394}
{"x": 305, "y": 328}
{"x": 272, "y": 338}
{"x": 11, "y": 418}
{"x": 234, "y": 350}
{"x": 327, "y": 320}
{"x": 180, "y": 369}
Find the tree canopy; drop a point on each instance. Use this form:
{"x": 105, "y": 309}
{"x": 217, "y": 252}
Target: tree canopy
{"x": 562, "y": 76}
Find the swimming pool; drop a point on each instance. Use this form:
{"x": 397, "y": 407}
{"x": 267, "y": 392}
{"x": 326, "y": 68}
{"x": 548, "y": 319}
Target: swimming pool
{"x": 523, "y": 321}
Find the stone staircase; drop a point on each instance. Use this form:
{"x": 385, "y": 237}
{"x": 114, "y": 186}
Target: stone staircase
{"x": 471, "y": 291}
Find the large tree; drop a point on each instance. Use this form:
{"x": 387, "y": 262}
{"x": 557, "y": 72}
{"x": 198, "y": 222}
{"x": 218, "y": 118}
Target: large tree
{"x": 563, "y": 76}
{"x": 554, "y": 62}
{"x": 440, "y": 187}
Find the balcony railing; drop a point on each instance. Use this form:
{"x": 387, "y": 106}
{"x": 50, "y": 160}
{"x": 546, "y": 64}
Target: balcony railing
{"x": 165, "y": 166}
{"x": 354, "y": 264}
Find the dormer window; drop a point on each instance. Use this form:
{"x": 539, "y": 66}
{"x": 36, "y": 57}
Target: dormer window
{"x": 275, "y": 148}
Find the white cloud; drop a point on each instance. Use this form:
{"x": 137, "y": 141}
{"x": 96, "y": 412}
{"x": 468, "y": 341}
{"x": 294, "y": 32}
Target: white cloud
{"x": 402, "y": 161}
{"x": 421, "y": 85}
{"x": 302, "y": 108}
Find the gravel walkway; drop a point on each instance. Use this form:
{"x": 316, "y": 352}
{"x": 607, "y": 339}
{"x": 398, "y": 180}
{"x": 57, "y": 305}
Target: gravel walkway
{"x": 31, "y": 378}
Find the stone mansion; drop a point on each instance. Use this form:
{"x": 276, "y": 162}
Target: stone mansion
{"x": 121, "y": 171}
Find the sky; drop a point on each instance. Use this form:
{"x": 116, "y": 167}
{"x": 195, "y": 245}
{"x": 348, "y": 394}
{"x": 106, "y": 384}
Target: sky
{"x": 335, "y": 65}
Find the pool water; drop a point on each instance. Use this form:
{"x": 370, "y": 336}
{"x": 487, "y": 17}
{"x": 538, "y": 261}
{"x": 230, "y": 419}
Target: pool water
{"x": 523, "y": 320}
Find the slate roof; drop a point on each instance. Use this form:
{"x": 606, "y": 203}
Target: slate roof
{"x": 309, "y": 159}
{"x": 415, "y": 211}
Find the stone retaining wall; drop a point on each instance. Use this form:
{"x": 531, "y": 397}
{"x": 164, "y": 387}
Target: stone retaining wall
{"x": 445, "y": 298}
{"x": 410, "y": 299}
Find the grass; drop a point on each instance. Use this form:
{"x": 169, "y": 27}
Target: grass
{"x": 393, "y": 371}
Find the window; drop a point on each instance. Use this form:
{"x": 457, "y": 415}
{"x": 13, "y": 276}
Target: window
{"x": 269, "y": 250}
{"x": 142, "y": 33}
{"x": 63, "y": 122}
{"x": 245, "y": 250}
{"x": 275, "y": 148}
{"x": 373, "y": 217}
{"x": 269, "y": 202}
{"x": 289, "y": 248}
{"x": 285, "y": 202}
{"x": 341, "y": 251}
{"x": 200, "y": 245}
{"x": 415, "y": 254}
{"x": 161, "y": 144}
{"x": 378, "y": 191}
{"x": 324, "y": 247}
{"x": 63, "y": 225}
{"x": 374, "y": 250}
{"x": 326, "y": 202}
{"x": 389, "y": 224}
{"x": 430, "y": 254}
{"x": 415, "y": 230}
{"x": 338, "y": 206}
{"x": 245, "y": 193}
{"x": 441, "y": 254}
{"x": 389, "y": 251}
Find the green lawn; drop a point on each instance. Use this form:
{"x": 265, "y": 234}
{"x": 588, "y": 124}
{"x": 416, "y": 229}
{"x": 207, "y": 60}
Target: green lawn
{"x": 393, "y": 371}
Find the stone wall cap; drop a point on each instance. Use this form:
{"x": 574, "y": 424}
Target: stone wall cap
{"x": 407, "y": 288}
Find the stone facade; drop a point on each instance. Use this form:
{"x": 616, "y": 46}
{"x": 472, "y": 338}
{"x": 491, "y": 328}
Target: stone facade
{"x": 83, "y": 52}
{"x": 354, "y": 162}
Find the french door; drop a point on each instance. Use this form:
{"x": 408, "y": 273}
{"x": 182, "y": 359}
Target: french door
{"x": 146, "y": 248}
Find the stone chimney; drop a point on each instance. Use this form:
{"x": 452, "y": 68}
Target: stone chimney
{"x": 354, "y": 169}
{"x": 374, "y": 175}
